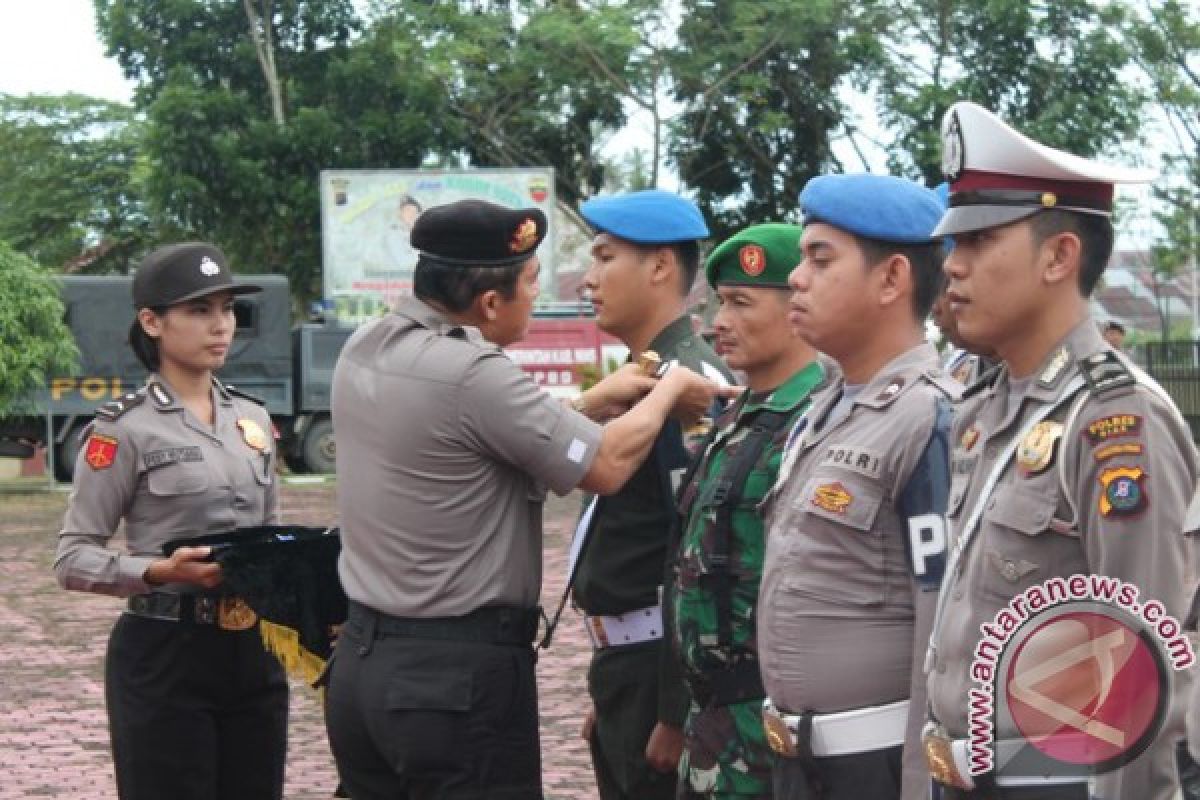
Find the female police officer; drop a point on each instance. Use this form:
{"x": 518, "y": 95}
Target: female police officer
{"x": 197, "y": 708}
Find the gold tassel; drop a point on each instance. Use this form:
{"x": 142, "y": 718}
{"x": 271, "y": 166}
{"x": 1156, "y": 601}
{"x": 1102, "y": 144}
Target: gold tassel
{"x": 284, "y": 644}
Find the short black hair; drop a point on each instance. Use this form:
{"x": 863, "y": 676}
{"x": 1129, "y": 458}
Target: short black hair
{"x": 926, "y": 262}
{"x": 1095, "y": 232}
{"x": 454, "y": 288}
{"x": 1113, "y": 325}
{"x": 687, "y": 256}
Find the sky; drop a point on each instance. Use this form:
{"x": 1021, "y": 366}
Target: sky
{"x": 51, "y": 47}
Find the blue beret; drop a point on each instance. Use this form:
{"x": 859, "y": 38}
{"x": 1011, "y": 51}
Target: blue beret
{"x": 651, "y": 216}
{"x": 878, "y": 207}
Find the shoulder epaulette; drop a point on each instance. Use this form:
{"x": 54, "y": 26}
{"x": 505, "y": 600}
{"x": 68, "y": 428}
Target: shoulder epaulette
{"x": 1104, "y": 372}
{"x": 236, "y": 392}
{"x": 115, "y": 408}
{"x": 984, "y": 381}
{"x": 946, "y": 385}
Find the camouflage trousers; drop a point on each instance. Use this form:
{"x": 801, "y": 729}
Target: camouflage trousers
{"x": 725, "y": 754}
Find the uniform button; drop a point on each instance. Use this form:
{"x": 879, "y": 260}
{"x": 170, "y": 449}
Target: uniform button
{"x": 989, "y": 452}
{"x": 991, "y": 506}
{"x": 958, "y": 595}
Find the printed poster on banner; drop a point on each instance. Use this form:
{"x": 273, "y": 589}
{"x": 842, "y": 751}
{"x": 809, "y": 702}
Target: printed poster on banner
{"x": 367, "y": 215}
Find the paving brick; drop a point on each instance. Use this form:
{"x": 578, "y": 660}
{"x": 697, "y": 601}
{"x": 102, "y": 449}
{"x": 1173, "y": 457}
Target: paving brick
{"x": 53, "y": 728}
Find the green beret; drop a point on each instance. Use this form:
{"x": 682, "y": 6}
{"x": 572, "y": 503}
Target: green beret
{"x": 761, "y": 255}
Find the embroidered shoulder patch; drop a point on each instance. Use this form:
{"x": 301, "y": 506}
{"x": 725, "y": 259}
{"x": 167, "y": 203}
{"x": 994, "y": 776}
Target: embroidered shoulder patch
{"x": 1117, "y": 449}
{"x": 832, "y": 497}
{"x": 1112, "y": 427}
{"x": 1124, "y": 492}
{"x": 101, "y": 451}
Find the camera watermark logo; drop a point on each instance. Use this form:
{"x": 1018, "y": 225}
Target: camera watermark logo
{"x": 1072, "y": 677}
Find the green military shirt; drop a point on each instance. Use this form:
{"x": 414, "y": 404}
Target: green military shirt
{"x": 693, "y": 609}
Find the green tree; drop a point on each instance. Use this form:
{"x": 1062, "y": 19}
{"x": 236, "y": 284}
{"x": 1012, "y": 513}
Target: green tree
{"x": 1052, "y": 68}
{"x": 34, "y": 341}
{"x": 759, "y": 85}
{"x": 1166, "y": 43}
{"x": 69, "y": 169}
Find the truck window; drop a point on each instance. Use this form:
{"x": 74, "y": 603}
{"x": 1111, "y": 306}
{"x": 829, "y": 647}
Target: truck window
{"x": 245, "y": 315}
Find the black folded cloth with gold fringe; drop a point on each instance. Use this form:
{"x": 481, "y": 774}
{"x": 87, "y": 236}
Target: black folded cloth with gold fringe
{"x": 288, "y": 575}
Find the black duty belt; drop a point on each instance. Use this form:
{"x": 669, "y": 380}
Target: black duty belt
{"x": 489, "y": 625}
{"x": 227, "y": 612}
{"x": 734, "y": 684}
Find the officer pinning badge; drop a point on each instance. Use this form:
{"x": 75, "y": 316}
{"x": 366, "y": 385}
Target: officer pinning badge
{"x": 969, "y": 438}
{"x": 253, "y": 433}
{"x": 101, "y": 451}
{"x": 1114, "y": 426}
{"x": 1054, "y": 369}
{"x": 525, "y": 236}
{"x": 209, "y": 267}
{"x": 1036, "y": 450}
{"x": 1124, "y": 492}
{"x": 1117, "y": 449}
{"x": 753, "y": 259}
{"x": 832, "y": 497}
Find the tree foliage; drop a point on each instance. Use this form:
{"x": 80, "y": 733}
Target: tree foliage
{"x": 1166, "y": 44}
{"x": 1051, "y": 68}
{"x": 68, "y": 168}
{"x": 758, "y": 82}
{"x": 34, "y": 340}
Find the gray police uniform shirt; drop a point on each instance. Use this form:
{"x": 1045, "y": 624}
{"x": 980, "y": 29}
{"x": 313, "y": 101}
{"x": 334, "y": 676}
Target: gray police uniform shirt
{"x": 445, "y": 450}
{"x": 146, "y": 459}
{"x": 844, "y": 610}
{"x": 1110, "y": 500}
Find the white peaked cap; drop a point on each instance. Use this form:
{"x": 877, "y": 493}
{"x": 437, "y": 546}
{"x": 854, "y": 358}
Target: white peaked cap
{"x": 998, "y": 175}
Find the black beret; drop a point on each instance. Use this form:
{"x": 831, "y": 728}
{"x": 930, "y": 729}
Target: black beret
{"x": 475, "y": 233}
{"x": 181, "y": 272}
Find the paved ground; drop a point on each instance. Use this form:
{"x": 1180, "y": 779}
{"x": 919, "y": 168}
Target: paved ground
{"x": 53, "y": 734}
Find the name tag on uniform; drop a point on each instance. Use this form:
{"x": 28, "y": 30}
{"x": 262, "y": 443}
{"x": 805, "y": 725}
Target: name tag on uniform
{"x": 171, "y": 455}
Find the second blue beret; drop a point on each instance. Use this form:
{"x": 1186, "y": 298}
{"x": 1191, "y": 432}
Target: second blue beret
{"x": 879, "y": 207}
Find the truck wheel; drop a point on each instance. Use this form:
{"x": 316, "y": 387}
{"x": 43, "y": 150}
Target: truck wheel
{"x": 319, "y": 449}
{"x": 66, "y": 453}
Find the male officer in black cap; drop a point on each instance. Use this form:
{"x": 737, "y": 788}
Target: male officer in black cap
{"x": 445, "y": 451}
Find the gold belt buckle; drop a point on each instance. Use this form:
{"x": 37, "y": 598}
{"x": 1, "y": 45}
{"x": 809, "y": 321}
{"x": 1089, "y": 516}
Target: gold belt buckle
{"x": 234, "y": 615}
{"x": 939, "y": 757}
{"x": 779, "y": 737}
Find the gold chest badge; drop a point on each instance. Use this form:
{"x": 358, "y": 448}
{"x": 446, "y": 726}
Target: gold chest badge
{"x": 1037, "y": 448}
{"x": 254, "y": 435}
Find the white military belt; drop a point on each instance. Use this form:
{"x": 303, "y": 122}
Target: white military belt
{"x": 948, "y": 761}
{"x": 860, "y": 730}
{"x": 632, "y": 627}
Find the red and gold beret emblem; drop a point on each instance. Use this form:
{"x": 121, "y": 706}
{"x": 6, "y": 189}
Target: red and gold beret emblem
{"x": 524, "y": 236}
{"x": 753, "y": 260}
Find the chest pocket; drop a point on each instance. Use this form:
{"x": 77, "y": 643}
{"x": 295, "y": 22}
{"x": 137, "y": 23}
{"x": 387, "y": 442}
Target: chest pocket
{"x": 180, "y": 478}
{"x": 844, "y": 498}
{"x": 1017, "y": 547}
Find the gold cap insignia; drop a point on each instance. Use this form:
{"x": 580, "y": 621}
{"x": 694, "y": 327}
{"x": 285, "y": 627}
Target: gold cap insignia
{"x": 524, "y": 236}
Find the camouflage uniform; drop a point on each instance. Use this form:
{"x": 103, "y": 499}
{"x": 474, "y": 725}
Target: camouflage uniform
{"x": 725, "y": 753}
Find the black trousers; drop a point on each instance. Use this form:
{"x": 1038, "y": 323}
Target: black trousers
{"x": 195, "y": 713}
{"x": 859, "y": 776}
{"x": 623, "y": 682}
{"x": 423, "y": 719}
